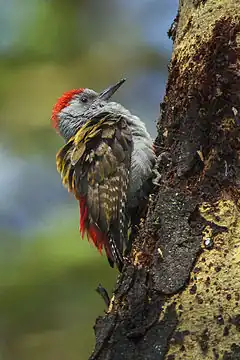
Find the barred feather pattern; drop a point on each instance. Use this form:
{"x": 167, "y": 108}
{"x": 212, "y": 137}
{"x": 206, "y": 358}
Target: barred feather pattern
{"x": 95, "y": 166}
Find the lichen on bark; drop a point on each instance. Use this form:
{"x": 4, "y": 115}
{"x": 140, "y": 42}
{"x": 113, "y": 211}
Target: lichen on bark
{"x": 179, "y": 294}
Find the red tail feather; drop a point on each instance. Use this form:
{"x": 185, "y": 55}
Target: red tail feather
{"x": 97, "y": 237}
{"x": 93, "y": 233}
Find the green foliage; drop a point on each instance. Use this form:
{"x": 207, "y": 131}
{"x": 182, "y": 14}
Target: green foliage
{"x": 55, "y": 36}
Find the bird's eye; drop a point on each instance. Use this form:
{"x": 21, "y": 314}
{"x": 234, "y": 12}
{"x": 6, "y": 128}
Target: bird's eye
{"x": 84, "y": 99}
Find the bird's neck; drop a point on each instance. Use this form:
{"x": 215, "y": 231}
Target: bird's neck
{"x": 137, "y": 126}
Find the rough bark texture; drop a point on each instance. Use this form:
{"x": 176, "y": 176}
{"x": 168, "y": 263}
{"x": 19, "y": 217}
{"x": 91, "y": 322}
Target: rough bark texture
{"x": 179, "y": 297}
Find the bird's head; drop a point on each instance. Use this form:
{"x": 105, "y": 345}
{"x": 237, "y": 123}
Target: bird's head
{"x": 75, "y": 107}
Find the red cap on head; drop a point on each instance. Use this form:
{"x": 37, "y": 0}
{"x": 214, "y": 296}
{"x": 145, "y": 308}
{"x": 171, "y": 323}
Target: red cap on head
{"x": 62, "y": 102}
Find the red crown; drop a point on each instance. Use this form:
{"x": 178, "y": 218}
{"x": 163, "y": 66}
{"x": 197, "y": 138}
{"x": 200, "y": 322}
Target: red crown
{"x": 62, "y": 102}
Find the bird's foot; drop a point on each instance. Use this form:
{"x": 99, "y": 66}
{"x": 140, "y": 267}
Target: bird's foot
{"x": 163, "y": 161}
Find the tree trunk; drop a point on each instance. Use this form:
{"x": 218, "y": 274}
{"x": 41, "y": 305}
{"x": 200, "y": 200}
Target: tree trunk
{"x": 179, "y": 295}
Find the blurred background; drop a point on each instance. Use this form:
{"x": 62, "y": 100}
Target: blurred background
{"x": 48, "y": 275}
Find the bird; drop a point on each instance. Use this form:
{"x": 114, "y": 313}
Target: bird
{"x": 107, "y": 161}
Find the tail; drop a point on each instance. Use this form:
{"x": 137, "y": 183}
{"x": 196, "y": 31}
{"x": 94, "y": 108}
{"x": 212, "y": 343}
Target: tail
{"x": 111, "y": 243}
{"x": 114, "y": 254}
{"x": 117, "y": 237}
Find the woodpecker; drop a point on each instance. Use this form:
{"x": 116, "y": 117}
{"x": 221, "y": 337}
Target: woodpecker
{"x": 107, "y": 162}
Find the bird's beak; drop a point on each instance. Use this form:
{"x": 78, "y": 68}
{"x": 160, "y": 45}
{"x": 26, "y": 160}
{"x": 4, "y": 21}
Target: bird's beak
{"x": 108, "y": 93}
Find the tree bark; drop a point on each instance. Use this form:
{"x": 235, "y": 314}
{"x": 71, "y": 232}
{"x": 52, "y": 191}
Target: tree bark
{"x": 179, "y": 295}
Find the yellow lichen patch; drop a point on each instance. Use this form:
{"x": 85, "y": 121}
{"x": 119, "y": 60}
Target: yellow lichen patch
{"x": 208, "y": 161}
{"x": 192, "y": 29}
{"x": 160, "y": 253}
{"x": 110, "y": 308}
{"x": 138, "y": 255}
{"x": 222, "y": 213}
{"x": 200, "y": 154}
{"x": 236, "y": 236}
{"x": 228, "y": 124}
{"x": 238, "y": 38}
{"x": 208, "y": 307}
{"x": 207, "y": 232}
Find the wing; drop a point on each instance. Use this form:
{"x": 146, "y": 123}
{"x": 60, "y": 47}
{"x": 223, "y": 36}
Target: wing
{"x": 95, "y": 165}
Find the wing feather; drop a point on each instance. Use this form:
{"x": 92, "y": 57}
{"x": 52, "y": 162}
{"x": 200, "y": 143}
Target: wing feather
{"x": 95, "y": 164}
